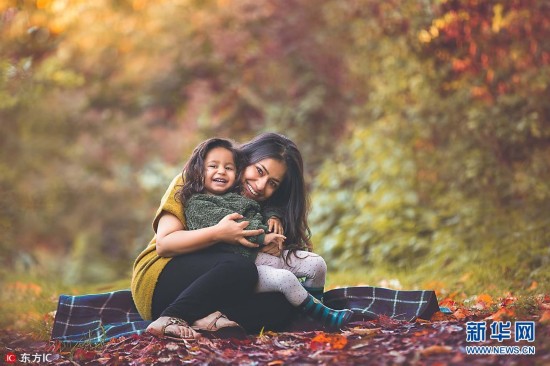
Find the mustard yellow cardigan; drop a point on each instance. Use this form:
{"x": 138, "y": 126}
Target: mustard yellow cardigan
{"x": 149, "y": 265}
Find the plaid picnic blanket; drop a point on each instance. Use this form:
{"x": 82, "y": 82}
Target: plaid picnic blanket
{"x": 100, "y": 317}
{"x": 374, "y": 301}
{"x": 96, "y": 318}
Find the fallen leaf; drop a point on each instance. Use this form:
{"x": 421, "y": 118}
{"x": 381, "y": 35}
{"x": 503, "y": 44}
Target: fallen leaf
{"x": 448, "y": 303}
{"x": 533, "y": 286}
{"x": 328, "y": 341}
{"x": 365, "y": 331}
{"x": 508, "y": 300}
{"x": 545, "y": 317}
{"x": 438, "y": 316}
{"x": 421, "y": 333}
{"x": 435, "y": 350}
{"x": 388, "y": 323}
{"x": 502, "y": 314}
{"x": 84, "y": 355}
{"x": 423, "y": 321}
{"x": 285, "y": 352}
{"x": 485, "y": 298}
{"x": 461, "y": 314}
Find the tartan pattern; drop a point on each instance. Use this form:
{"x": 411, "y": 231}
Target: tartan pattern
{"x": 96, "y": 318}
{"x": 374, "y": 301}
{"x": 100, "y": 317}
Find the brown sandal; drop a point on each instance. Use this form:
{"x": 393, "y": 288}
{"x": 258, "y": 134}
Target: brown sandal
{"x": 185, "y": 332}
{"x": 217, "y": 325}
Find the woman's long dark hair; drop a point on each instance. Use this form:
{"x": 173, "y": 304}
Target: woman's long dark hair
{"x": 291, "y": 196}
{"x": 193, "y": 171}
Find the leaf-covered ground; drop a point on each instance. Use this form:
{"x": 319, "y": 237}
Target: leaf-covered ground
{"x": 440, "y": 341}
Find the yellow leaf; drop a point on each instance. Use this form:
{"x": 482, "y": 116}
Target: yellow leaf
{"x": 485, "y": 298}
{"x": 435, "y": 350}
{"x": 365, "y": 331}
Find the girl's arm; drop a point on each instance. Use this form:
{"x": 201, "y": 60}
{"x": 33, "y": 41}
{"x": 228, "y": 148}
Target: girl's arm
{"x": 173, "y": 240}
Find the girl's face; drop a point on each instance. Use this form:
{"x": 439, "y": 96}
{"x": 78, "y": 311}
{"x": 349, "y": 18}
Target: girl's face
{"x": 219, "y": 171}
{"x": 261, "y": 179}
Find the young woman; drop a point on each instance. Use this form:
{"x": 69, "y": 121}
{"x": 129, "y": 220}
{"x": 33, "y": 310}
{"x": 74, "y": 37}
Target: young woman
{"x": 182, "y": 279}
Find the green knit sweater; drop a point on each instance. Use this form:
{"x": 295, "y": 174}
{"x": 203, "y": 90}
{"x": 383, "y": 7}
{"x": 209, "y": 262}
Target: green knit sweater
{"x": 205, "y": 210}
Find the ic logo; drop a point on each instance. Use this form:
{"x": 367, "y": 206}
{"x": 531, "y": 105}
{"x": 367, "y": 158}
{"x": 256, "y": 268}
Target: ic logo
{"x": 10, "y": 358}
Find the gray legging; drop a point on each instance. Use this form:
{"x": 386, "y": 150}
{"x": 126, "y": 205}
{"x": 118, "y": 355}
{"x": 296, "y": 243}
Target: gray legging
{"x": 276, "y": 274}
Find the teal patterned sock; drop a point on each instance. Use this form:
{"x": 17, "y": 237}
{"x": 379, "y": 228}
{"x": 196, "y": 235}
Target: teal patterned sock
{"x": 332, "y": 319}
{"x": 316, "y": 292}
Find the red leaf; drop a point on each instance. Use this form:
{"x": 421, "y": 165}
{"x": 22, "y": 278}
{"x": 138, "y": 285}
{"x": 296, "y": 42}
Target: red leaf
{"x": 448, "y": 303}
{"x": 84, "y": 355}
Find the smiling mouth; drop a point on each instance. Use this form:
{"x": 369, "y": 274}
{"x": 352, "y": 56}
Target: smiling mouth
{"x": 251, "y": 190}
{"x": 219, "y": 180}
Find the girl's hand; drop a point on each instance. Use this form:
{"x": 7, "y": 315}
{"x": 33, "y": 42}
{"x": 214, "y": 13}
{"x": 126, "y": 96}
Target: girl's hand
{"x": 272, "y": 249}
{"x": 275, "y": 225}
{"x": 233, "y": 232}
{"x": 275, "y": 238}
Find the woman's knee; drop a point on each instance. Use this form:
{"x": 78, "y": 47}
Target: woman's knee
{"x": 241, "y": 269}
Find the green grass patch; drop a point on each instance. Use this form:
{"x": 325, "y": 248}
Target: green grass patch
{"x": 28, "y": 302}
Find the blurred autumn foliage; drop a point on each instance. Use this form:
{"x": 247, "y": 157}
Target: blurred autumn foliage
{"x": 425, "y": 125}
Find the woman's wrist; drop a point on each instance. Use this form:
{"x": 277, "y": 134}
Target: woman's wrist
{"x": 216, "y": 233}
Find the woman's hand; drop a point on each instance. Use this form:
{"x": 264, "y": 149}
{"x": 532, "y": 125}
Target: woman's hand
{"x": 233, "y": 232}
{"x": 275, "y": 225}
{"x": 173, "y": 239}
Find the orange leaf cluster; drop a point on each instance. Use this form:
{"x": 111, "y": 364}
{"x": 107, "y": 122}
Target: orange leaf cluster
{"x": 439, "y": 317}
{"x": 483, "y": 301}
{"x": 503, "y": 314}
{"x": 328, "y": 341}
{"x": 448, "y": 303}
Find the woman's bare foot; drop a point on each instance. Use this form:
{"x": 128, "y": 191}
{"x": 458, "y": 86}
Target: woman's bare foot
{"x": 217, "y": 325}
{"x": 173, "y": 328}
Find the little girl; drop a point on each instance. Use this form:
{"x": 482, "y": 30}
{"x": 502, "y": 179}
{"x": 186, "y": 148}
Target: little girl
{"x": 212, "y": 190}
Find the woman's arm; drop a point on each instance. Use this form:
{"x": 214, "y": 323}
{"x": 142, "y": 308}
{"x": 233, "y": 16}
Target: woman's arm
{"x": 173, "y": 240}
{"x": 204, "y": 210}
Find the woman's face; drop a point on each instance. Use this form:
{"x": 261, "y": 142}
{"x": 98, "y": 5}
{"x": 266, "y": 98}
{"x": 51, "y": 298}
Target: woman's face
{"x": 260, "y": 180}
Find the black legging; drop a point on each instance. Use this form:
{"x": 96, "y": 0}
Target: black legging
{"x": 191, "y": 286}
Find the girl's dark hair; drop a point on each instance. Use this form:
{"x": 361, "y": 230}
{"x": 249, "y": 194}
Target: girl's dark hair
{"x": 193, "y": 171}
{"x": 291, "y": 197}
